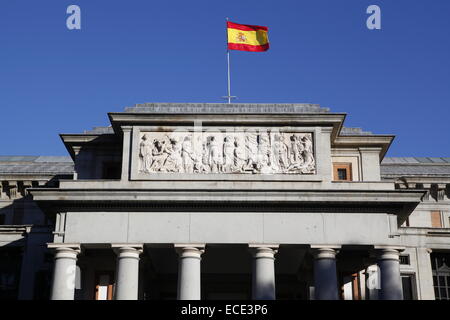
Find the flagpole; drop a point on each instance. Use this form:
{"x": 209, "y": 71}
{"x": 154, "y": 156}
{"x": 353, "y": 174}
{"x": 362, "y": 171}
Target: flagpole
{"x": 229, "y": 96}
{"x": 229, "y": 81}
{"x": 228, "y": 64}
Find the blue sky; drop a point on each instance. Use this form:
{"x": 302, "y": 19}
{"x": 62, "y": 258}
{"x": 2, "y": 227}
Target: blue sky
{"x": 389, "y": 81}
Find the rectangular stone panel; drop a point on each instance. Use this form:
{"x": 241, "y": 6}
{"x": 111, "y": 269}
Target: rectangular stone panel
{"x": 326, "y": 228}
{"x": 293, "y": 227}
{"x": 356, "y": 228}
{"x": 249, "y": 151}
{"x": 226, "y": 227}
{"x": 96, "y": 227}
{"x": 162, "y": 227}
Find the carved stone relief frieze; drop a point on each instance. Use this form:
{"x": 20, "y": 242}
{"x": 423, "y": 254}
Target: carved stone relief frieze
{"x": 252, "y": 152}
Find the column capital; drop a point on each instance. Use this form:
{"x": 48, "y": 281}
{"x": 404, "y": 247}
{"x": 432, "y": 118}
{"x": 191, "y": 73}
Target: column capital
{"x": 273, "y": 246}
{"x": 189, "y": 250}
{"x": 325, "y": 252}
{"x": 267, "y": 251}
{"x": 388, "y": 254}
{"x": 65, "y": 247}
{"x": 127, "y": 248}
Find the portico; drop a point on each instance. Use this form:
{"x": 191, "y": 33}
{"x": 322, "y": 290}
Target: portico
{"x": 252, "y": 276}
{"x": 239, "y": 202}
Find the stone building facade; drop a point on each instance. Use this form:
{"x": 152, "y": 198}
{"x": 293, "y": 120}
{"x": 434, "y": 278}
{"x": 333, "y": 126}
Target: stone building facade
{"x": 225, "y": 201}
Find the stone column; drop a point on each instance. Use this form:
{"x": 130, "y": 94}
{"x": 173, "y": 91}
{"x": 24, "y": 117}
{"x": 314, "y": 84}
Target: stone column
{"x": 189, "y": 271}
{"x": 325, "y": 273}
{"x": 390, "y": 279}
{"x": 63, "y": 283}
{"x": 127, "y": 274}
{"x": 263, "y": 275}
{"x": 126, "y": 152}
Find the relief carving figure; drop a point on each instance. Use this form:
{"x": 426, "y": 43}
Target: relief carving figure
{"x": 159, "y": 155}
{"x": 145, "y": 152}
{"x": 187, "y": 155}
{"x": 204, "y": 165}
{"x": 240, "y": 159}
{"x": 280, "y": 151}
{"x": 249, "y": 152}
{"x": 174, "y": 162}
{"x": 214, "y": 159}
{"x": 228, "y": 154}
{"x": 264, "y": 161}
{"x": 308, "y": 156}
{"x": 295, "y": 157}
{"x": 251, "y": 145}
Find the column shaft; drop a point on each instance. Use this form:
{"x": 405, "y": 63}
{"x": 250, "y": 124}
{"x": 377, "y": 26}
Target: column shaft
{"x": 263, "y": 276}
{"x": 189, "y": 273}
{"x": 390, "y": 279}
{"x": 63, "y": 284}
{"x": 127, "y": 281}
{"x": 325, "y": 274}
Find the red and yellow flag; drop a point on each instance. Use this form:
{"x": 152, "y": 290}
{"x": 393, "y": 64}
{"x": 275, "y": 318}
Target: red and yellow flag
{"x": 245, "y": 37}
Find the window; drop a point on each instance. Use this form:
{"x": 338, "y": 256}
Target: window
{"x": 2, "y": 219}
{"x": 441, "y": 275}
{"x": 436, "y": 221}
{"x": 342, "y": 171}
{"x": 407, "y": 284}
{"x": 342, "y": 174}
{"x": 404, "y": 259}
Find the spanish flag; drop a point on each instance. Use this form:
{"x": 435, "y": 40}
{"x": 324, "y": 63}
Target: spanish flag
{"x": 245, "y": 37}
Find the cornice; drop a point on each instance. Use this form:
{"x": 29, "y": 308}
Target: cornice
{"x": 238, "y": 196}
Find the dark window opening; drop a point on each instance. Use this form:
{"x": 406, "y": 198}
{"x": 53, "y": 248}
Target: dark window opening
{"x": 342, "y": 174}
{"x": 342, "y": 171}
{"x": 404, "y": 259}
{"x": 407, "y": 284}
